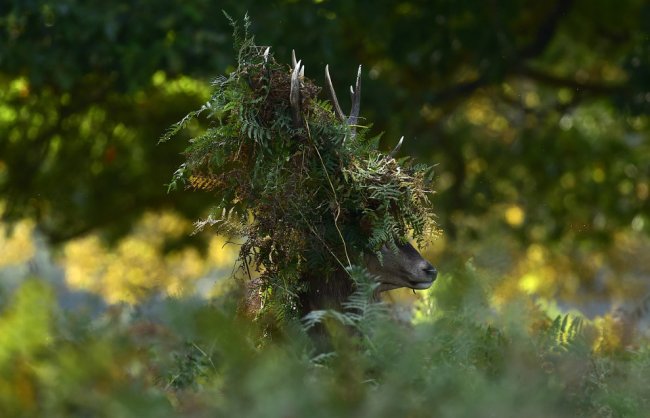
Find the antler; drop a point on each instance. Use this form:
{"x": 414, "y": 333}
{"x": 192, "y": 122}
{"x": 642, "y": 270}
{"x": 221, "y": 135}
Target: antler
{"x": 294, "y": 95}
{"x": 335, "y": 101}
{"x": 293, "y": 58}
{"x": 393, "y": 153}
{"x": 356, "y": 104}
{"x": 298, "y": 72}
{"x": 355, "y": 93}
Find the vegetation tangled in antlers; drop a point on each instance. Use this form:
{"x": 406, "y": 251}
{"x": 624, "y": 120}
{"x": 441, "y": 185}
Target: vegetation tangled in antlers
{"x": 299, "y": 181}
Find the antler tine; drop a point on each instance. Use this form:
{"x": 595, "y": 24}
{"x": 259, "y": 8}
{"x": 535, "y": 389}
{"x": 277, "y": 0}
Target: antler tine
{"x": 294, "y": 94}
{"x": 356, "y": 101}
{"x": 293, "y": 59}
{"x": 395, "y": 150}
{"x": 266, "y": 54}
{"x": 335, "y": 100}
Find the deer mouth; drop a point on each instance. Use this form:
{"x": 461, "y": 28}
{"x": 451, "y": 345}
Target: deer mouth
{"x": 406, "y": 283}
{"x": 424, "y": 281}
{"x": 420, "y": 285}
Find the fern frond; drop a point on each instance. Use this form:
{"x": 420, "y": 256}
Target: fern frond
{"x": 207, "y": 183}
{"x": 225, "y": 221}
{"x": 361, "y": 310}
{"x": 182, "y": 124}
{"x": 303, "y": 198}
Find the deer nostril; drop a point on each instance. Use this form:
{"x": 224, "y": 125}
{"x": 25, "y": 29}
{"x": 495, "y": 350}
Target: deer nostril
{"x": 431, "y": 271}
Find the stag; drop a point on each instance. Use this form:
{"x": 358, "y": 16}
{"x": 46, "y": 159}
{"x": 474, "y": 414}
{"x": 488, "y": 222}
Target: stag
{"x": 399, "y": 265}
{"x": 297, "y": 179}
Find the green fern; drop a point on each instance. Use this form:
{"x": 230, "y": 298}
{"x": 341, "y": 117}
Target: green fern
{"x": 309, "y": 199}
{"x": 361, "y": 310}
{"x": 566, "y": 333}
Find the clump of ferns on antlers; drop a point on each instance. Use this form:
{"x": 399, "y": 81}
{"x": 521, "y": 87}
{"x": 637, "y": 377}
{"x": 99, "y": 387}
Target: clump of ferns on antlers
{"x": 295, "y": 177}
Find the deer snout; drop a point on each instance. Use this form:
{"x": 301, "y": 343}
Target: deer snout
{"x": 425, "y": 277}
{"x": 430, "y": 272}
{"x": 402, "y": 268}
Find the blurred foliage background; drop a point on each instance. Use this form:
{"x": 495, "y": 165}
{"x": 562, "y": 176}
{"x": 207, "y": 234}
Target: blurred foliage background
{"x": 536, "y": 114}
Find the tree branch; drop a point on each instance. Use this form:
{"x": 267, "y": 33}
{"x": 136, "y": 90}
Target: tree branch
{"x": 544, "y": 35}
{"x": 546, "y": 31}
{"x": 460, "y": 90}
{"x": 601, "y": 89}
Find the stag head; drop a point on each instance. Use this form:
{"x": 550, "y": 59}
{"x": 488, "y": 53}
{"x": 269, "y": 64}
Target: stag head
{"x": 403, "y": 265}
{"x": 402, "y": 268}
